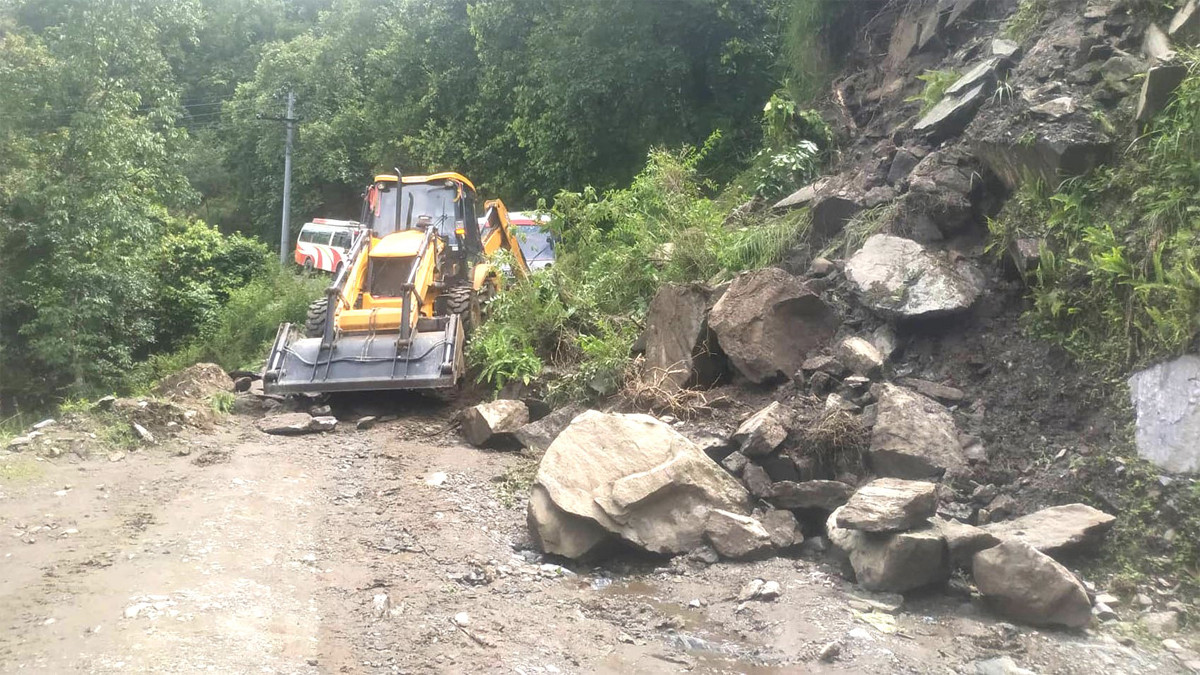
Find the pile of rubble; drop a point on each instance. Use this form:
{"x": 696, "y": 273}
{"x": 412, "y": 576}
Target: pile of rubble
{"x": 180, "y": 402}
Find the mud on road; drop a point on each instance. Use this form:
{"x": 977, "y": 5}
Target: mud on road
{"x": 402, "y": 549}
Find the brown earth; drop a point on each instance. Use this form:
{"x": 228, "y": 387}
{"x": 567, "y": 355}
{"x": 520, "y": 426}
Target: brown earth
{"x": 268, "y": 554}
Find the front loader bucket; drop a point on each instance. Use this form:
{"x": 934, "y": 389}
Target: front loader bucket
{"x": 432, "y": 358}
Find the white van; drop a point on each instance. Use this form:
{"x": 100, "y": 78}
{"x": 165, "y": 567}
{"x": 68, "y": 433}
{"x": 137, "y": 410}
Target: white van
{"x": 325, "y": 243}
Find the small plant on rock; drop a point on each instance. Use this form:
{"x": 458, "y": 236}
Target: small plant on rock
{"x": 936, "y": 84}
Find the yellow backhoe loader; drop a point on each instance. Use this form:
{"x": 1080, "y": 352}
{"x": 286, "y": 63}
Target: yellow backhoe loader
{"x": 397, "y": 315}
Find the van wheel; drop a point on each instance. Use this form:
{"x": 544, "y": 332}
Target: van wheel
{"x": 338, "y": 270}
{"x": 314, "y": 321}
{"x": 308, "y": 265}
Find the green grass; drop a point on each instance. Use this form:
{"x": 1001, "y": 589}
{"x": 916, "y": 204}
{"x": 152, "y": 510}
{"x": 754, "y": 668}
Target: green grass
{"x": 240, "y": 333}
{"x": 1023, "y": 24}
{"x": 221, "y": 402}
{"x": 936, "y": 84}
{"x": 1119, "y": 281}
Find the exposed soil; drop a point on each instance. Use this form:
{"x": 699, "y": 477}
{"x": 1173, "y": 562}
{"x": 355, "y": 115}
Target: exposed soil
{"x": 268, "y": 554}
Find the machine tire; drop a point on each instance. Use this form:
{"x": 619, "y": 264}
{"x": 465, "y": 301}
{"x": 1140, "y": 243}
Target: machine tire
{"x": 338, "y": 270}
{"x": 308, "y": 265}
{"x": 314, "y": 321}
{"x": 460, "y": 300}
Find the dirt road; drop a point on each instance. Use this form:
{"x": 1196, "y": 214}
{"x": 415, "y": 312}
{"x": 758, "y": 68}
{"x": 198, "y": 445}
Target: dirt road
{"x": 400, "y": 549}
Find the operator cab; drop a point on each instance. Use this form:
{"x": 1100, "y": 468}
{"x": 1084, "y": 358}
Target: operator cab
{"x": 443, "y": 202}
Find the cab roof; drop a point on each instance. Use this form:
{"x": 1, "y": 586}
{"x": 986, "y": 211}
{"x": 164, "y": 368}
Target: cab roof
{"x": 416, "y": 180}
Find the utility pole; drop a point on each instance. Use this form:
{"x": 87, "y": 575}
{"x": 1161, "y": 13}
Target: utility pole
{"x": 284, "y": 236}
{"x": 291, "y": 120}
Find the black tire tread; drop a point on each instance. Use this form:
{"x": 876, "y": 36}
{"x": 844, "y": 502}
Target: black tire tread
{"x": 314, "y": 320}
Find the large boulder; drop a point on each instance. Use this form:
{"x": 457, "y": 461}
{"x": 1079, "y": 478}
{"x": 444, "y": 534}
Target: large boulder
{"x": 768, "y": 321}
{"x": 913, "y": 437}
{"x": 889, "y": 505}
{"x": 1053, "y": 156}
{"x": 1027, "y": 585}
{"x": 1166, "y": 398}
{"x": 892, "y": 562}
{"x": 762, "y": 432}
{"x": 1058, "y": 530}
{"x": 860, "y": 356}
{"x": 538, "y": 436}
{"x": 680, "y": 349}
{"x": 632, "y": 476}
{"x": 735, "y": 536}
{"x": 487, "y": 422}
{"x": 899, "y": 278}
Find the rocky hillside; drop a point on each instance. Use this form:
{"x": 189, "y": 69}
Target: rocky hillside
{"x": 882, "y": 392}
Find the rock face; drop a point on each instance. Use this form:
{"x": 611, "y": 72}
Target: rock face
{"x": 763, "y": 432}
{"x": 892, "y": 562}
{"x": 1167, "y": 400}
{"x": 1059, "y": 530}
{"x": 1051, "y": 159}
{"x": 1024, "y": 584}
{"x": 481, "y": 424}
{"x": 767, "y": 321}
{"x": 736, "y": 536}
{"x": 889, "y": 505}
{"x": 632, "y": 476}
{"x": 897, "y": 277}
{"x": 680, "y": 350}
{"x": 913, "y": 437}
{"x": 538, "y": 436}
{"x": 810, "y": 494}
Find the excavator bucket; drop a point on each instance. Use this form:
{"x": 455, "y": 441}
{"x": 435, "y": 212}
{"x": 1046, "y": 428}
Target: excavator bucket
{"x": 431, "y": 357}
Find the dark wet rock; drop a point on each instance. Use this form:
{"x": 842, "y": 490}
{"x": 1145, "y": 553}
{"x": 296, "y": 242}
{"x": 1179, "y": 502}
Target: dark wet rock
{"x": 952, "y": 115}
{"x": 767, "y": 321}
{"x": 1185, "y": 25}
{"x": 826, "y": 495}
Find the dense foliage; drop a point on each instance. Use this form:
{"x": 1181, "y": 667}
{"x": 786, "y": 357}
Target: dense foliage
{"x": 615, "y": 249}
{"x": 1118, "y": 283}
{"x": 134, "y": 149}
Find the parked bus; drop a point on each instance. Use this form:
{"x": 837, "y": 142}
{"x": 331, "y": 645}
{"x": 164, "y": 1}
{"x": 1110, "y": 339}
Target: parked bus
{"x": 324, "y": 243}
